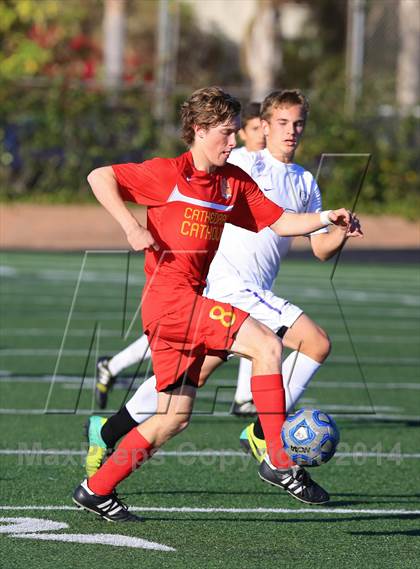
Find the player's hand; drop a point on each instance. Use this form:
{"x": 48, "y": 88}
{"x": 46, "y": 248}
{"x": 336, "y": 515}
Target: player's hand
{"x": 141, "y": 239}
{"x": 354, "y": 229}
{"x": 347, "y": 222}
{"x": 340, "y": 217}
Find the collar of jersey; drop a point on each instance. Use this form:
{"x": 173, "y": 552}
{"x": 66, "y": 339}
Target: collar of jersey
{"x": 266, "y": 154}
{"x": 192, "y": 172}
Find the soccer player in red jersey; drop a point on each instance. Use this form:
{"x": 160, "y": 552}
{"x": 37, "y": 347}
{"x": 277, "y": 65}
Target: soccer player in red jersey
{"x": 189, "y": 199}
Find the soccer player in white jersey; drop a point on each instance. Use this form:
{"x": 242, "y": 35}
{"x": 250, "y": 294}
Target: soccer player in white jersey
{"x": 243, "y": 272}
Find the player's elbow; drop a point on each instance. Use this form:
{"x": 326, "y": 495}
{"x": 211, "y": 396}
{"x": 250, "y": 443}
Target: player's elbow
{"x": 321, "y": 252}
{"x": 92, "y": 176}
{"x": 321, "y": 256}
{"x": 99, "y": 174}
{"x": 280, "y": 227}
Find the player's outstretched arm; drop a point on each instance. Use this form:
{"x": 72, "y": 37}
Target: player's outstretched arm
{"x": 326, "y": 245}
{"x": 291, "y": 224}
{"x": 104, "y": 186}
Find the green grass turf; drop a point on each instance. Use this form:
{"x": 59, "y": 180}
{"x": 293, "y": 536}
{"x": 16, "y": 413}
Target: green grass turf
{"x": 374, "y": 368}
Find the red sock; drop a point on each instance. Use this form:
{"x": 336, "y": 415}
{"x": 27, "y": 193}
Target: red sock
{"x": 270, "y": 401}
{"x": 132, "y": 451}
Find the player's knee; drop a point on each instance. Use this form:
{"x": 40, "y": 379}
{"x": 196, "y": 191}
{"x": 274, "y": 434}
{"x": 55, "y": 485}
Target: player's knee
{"x": 177, "y": 423}
{"x": 324, "y": 345}
{"x": 318, "y": 347}
{"x": 202, "y": 379}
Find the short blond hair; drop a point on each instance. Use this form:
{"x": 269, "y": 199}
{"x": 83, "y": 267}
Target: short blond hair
{"x": 206, "y": 108}
{"x": 283, "y": 98}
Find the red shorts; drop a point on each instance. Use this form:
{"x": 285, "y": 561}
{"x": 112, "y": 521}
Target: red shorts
{"x": 181, "y": 339}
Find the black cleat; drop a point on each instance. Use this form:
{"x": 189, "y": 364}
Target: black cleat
{"x": 104, "y": 382}
{"x": 296, "y": 481}
{"x": 108, "y": 507}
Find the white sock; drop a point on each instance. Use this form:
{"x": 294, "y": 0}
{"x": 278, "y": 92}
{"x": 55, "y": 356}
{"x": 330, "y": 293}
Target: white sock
{"x": 132, "y": 354}
{"x": 298, "y": 371}
{"x": 243, "y": 387}
{"x": 144, "y": 402}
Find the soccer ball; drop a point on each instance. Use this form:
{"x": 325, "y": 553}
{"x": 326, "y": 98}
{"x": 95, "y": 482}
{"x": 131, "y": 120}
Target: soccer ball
{"x": 310, "y": 437}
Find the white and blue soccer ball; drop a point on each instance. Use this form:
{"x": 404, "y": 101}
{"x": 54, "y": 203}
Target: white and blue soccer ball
{"x": 310, "y": 437}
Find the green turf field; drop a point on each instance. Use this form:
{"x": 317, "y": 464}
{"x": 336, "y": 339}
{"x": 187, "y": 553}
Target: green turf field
{"x": 202, "y": 501}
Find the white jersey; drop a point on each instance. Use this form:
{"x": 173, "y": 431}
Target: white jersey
{"x": 252, "y": 260}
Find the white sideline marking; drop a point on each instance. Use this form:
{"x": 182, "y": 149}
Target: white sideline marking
{"x": 6, "y": 376}
{"x": 405, "y": 326}
{"x": 174, "y": 453}
{"x": 42, "y": 352}
{"x": 29, "y": 528}
{"x": 86, "y": 333}
{"x": 51, "y": 332}
{"x": 98, "y": 539}
{"x": 29, "y": 525}
{"x": 344, "y": 511}
{"x": 359, "y": 385}
{"x": 369, "y": 416}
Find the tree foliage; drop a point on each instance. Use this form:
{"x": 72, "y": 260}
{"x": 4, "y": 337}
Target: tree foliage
{"x": 56, "y": 124}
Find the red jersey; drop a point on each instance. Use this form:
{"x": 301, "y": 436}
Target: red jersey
{"x": 187, "y": 210}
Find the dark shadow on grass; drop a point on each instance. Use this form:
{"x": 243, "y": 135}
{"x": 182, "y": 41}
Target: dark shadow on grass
{"x": 196, "y": 492}
{"x": 282, "y": 519}
{"x": 369, "y": 422}
{"x": 364, "y": 498}
{"x": 355, "y": 424}
{"x": 343, "y": 503}
{"x": 411, "y": 497}
{"x": 409, "y": 532}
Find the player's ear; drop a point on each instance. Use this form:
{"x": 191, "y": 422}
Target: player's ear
{"x": 265, "y": 127}
{"x": 199, "y": 131}
{"x": 242, "y": 135}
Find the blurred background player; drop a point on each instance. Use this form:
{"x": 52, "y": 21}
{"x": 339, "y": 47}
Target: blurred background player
{"x": 251, "y": 133}
{"x": 243, "y": 273}
{"x": 107, "y": 368}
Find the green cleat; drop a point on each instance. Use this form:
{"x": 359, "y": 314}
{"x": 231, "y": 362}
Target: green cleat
{"x": 252, "y": 444}
{"x": 97, "y": 447}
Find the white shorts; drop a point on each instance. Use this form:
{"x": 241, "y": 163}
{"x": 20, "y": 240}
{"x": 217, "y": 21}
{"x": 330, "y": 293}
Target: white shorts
{"x": 264, "y": 306}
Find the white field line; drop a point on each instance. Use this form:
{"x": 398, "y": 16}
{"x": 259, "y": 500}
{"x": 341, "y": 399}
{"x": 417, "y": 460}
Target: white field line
{"x": 73, "y": 381}
{"x": 289, "y": 275}
{"x": 105, "y": 276}
{"x": 175, "y": 453}
{"x": 359, "y": 296}
{"x": 327, "y": 312}
{"x": 39, "y": 331}
{"x": 186, "y": 510}
{"x": 89, "y": 276}
{"x": 364, "y": 308}
{"x": 60, "y": 304}
{"x": 369, "y": 416}
{"x": 379, "y": 360}
{"x": 370, "y": 294}
{"x": 87, "y": 333}
{"x": 313, "y": 293}
{"x": 370, "y": 385}
{"x": 53, "y": 332}
{"x": 327, "y": 384}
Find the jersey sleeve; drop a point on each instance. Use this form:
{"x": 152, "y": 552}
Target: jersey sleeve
{"x": 148, "y": 183}
{"x": 252, "y": 210}
{"x": 315, "y": 205}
